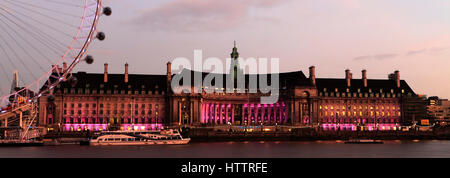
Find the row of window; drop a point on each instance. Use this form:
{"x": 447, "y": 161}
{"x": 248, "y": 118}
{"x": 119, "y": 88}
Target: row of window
{"x": 362, "y": 95}
{"x": 108, "y": 112}
{"x": 94, "y": 105}
{"x": 129, "y": 92}
{"x": 361, "y": 114}
{"x": 70, "y": 120}
{"x": 354, "y": 107}
{"x": 360, "y": 101}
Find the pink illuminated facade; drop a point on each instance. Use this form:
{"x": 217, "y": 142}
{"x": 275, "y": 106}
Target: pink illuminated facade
{"x": 146, "y": 102}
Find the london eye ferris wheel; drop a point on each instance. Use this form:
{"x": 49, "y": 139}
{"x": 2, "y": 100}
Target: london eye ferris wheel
{"x": 42, "y": 41}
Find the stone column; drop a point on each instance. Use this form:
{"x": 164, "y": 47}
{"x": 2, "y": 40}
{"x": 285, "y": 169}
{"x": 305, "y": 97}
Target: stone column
{"x": 226, "y": 114}
{"x": 301, "y": 113}
{"x": 215, "y": 113}
{"x": 232, "y": 114}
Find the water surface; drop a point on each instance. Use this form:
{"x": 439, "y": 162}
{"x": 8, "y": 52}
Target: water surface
{"x": 317, "y": 149}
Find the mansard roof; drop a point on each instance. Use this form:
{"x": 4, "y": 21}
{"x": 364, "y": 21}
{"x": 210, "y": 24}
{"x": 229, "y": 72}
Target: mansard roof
{"x": 374, "y": 85}
{"x": 136, "y": 82}
{"x": 287, "y": 79}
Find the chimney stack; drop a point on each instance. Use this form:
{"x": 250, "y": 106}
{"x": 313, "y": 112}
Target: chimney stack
{"x": 126, "y": 72}
{"x": 169, "y": 71}
{"x": 364, "y": 77}
{"x": 105, "y": 77}
{"x": 64, "y": 67}
{"x": 397, "y": 78}
{"x": 312, "y": 75}
{"x": 169, "y": 77}
{"x": 348, "y": 77}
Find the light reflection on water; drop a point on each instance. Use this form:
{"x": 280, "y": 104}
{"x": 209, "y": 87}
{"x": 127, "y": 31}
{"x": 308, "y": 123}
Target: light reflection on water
{"x": 266, "y": 149}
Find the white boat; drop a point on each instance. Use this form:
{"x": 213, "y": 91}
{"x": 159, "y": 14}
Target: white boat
{"x": 139, "y": 138}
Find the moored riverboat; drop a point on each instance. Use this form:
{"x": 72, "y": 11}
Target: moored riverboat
{"x": 168, "y": 137}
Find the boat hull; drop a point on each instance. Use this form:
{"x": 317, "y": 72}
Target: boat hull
{"x": 142, "y": 143}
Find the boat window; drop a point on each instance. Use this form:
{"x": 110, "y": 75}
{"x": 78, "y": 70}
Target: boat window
{"x": 124, "y": 139}
{"x": 130, "y": 139}
{"x": 117, "y": 139}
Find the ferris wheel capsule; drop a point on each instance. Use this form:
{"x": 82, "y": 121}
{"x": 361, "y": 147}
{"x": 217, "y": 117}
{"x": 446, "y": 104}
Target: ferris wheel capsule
{"x": 89, "y": 59}
{"x": 107, "y": 11}
{"x": 101, "y": 36}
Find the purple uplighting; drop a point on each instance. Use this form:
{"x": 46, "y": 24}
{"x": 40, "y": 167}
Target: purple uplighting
{"x": 261, "y": 114}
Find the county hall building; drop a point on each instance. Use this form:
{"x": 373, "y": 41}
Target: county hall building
{"x": 147, "y": 102}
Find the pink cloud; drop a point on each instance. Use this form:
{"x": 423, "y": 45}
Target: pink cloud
{"x": 200, "y": 15}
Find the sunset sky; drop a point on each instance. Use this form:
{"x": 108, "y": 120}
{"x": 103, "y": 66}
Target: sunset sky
{"x": 412, "y": 36}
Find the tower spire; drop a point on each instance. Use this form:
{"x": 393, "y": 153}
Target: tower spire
{"x": 15, "y": 81}
{"x": 235, "y": 53}
{"x": 235, "y": 68}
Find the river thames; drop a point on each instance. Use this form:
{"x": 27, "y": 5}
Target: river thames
{"x": 317, "y": 149}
